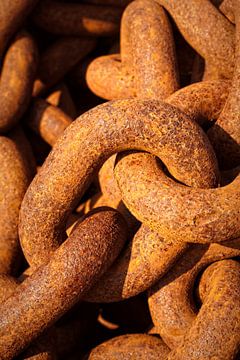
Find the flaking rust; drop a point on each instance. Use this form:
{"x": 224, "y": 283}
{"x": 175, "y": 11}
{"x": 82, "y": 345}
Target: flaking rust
{"x": 146, "y": 67}
{"x": 138, "y": 198}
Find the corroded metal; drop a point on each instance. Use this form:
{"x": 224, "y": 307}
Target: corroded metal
{"x": 171, "y": 300}
{"x": 147, "y": 66}
{"x": 74, "y": 267}
{"x": 95, "y": 136}
{"x": 17, "y": 76}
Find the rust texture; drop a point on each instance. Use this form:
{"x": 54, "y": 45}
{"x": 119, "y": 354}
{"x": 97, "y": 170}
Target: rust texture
{"x": 225, "y": 134}
{"x": 211, "y": 73}
{"x": 42, "y": 349}
{"x": 171, "y": 299}
{"x": 58, "y": 59}
{"x": 99, "y": 200}
{"x": 203, "y": 101}
{"x": 130, "y": 347}
{"x": 206, "y": 30}
{"x": 74, "y": 267}
{"x": 174, "y": 210}
{"x": 195, "y": 100}
{"x": 47, "y": 120}
{"x": 148, "y": 73}
{"x": 107, "y": 182}
{"x": 17, "y": 76}
{"x": 8, "y": 285}
{"x": 145, "y": 260}
{"x": 15, "y": 176}
{"x": 120, "y": 230}
{"x": 12, "y": 15}
{"x": 96, "y": 135}
{"x": 110, "y": 194}
{"x": 77, "y": 19}
{"x": 218, "y": 317}
{"x": 109, "y": 79}
{"x": 227, "y": 8}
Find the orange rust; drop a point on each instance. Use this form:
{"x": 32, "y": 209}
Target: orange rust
{"x": 171, "y": 300}
{"x": 17, "y": 76}
{"x": 99, "y": 200}
{"x": 174, "y": 210}
{"x": 227, "y": 8}
{"x": 202, "y": 101}
{"x": 42, "y": 349}
{"x": 215, "y": 333}
{"x": 107, "y": 78}
{"x": 47, "y": 120}
{"x": 12, "y": 15}
{"x": 96, "y": 135}
{"x": 74, "y": 267}
{"x": 148, "y": 73}
{"x": 111, "y": 195}
{"x": 107, "y": 181}
{"x": 211, "y": 73}
{"x": 173, "y": 199}
{"x": 8, "y": 285}
{"x": 145, "y": 259}
{"x": 15, "y": 176}
{"x": 131, "y": 347}
{"x": 225, "y": 134}
{"x": 64, "y": 335}
{"x": 206, "y": 30}
{"x": 136, "y": 270}
{"x": 108, "y": 324}
{"x": 77, "y": 19}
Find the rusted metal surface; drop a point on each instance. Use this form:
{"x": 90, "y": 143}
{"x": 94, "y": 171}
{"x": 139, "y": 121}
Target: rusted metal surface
{"x": 146, "y": 259}
{"x": 202, "y": 101}
{"x": 227, "y": 8}
{"x": 134, "y": 347}
{"x": 206, "y": 30}
{"x": 225, "y": 134}
{"x": 171, "y": 300}
{"x": 74, "y": 267}
{"x": 107, "y": 129}
{"x": 217, "y": 318}
{"x": 12, "y": 15}
{"x": 47, "y": 120}
{"x": 15, "y": 176}
{"x": 17, "y": 76}
{"x": 132, "y": 223}
{"x": 147, "y": 65}
{"x": 176, "y": 211}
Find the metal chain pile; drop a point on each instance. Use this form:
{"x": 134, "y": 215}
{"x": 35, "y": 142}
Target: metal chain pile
{"x": 120, "y": 179}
